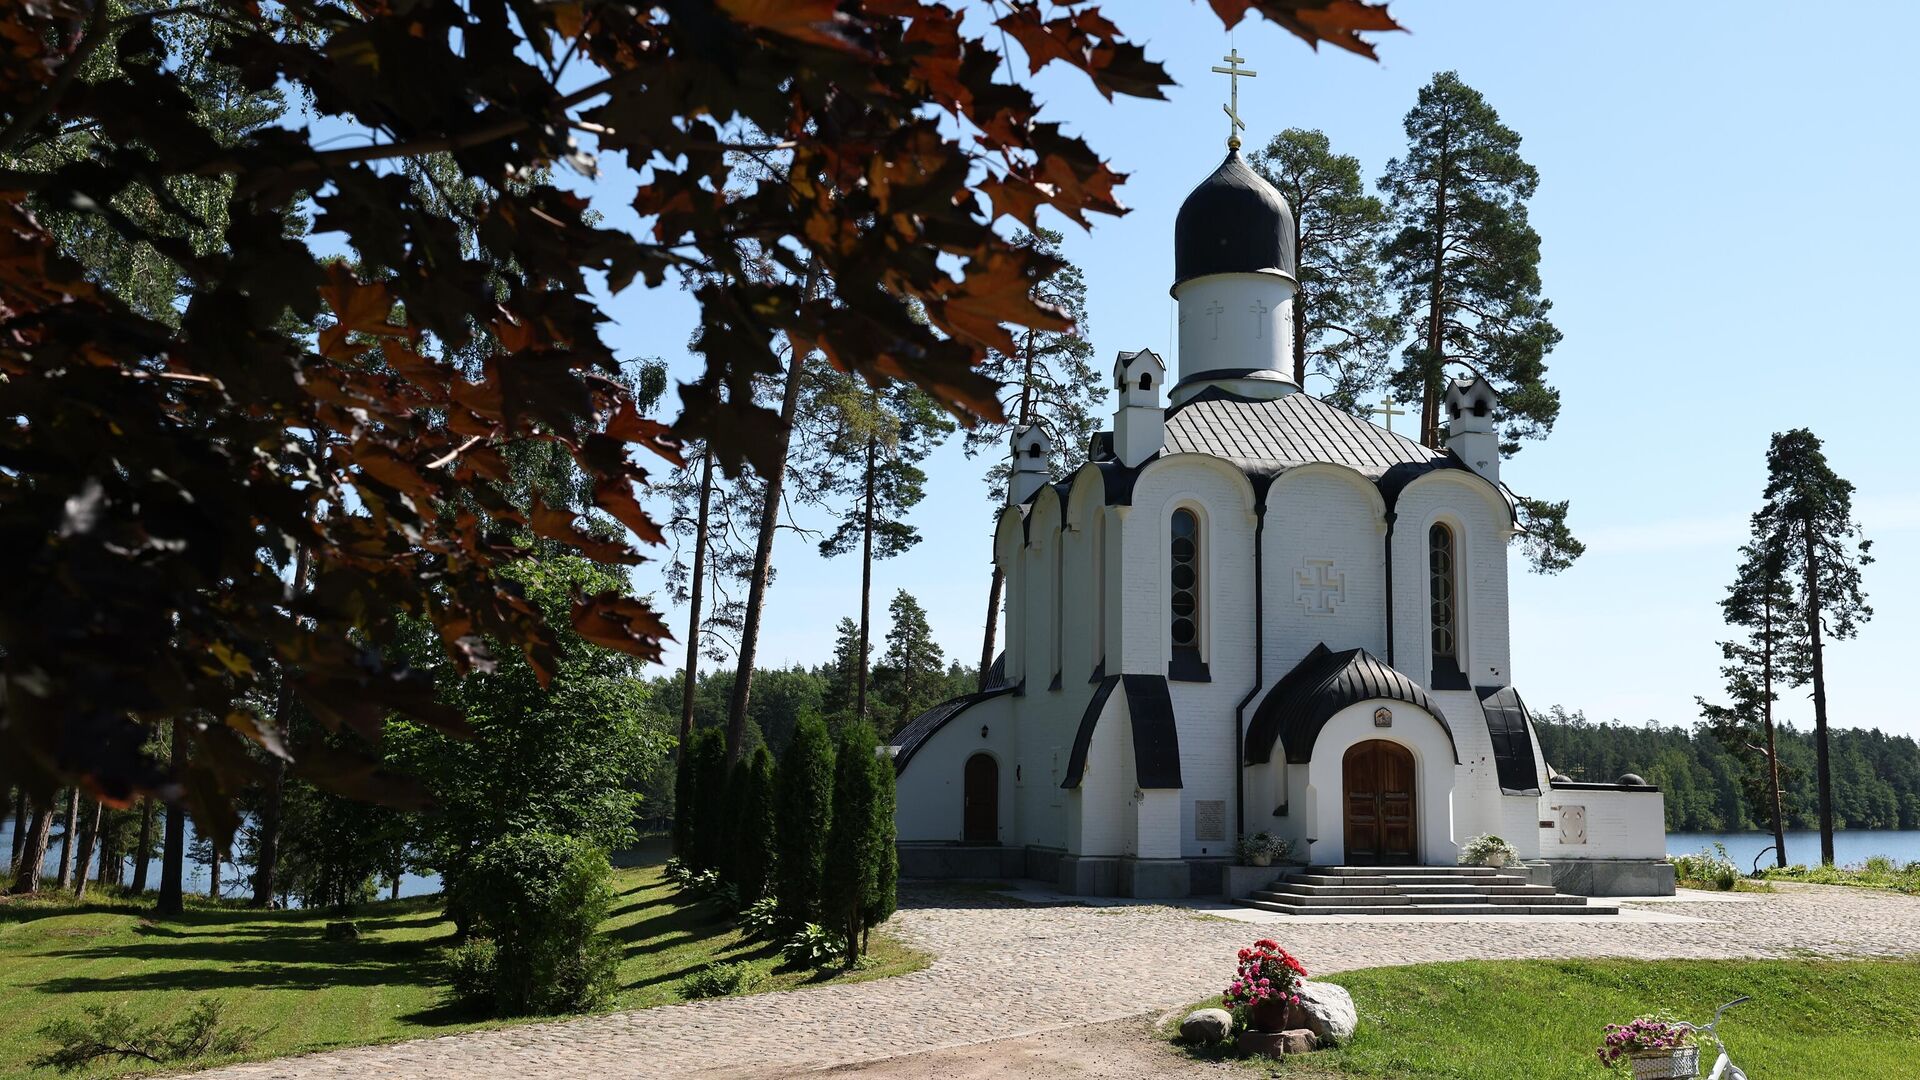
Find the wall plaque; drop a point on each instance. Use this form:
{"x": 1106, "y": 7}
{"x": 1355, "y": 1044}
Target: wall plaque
{"x": 1383, "y": 717}
{"x": 1209, "y": 819}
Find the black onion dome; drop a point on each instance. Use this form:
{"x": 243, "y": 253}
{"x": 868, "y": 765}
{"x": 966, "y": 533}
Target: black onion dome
{"x": 1233, "y": 223}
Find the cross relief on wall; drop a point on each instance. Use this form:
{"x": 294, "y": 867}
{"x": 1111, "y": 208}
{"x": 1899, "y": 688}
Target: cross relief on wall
{"x": 1319, "y": 587}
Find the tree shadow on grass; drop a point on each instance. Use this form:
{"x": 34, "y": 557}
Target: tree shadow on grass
{"x": 295, "y": 961}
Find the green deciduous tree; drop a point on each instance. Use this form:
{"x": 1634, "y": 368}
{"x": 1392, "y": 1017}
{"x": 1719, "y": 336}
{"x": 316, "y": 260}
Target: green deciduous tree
{"x": 1344, "y": 327}
{"x": 1807, "y": 519}
{"x": 805, "y": 783}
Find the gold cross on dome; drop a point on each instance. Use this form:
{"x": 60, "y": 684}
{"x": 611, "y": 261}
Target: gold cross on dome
{"x": 1234, "y": 73}
{"x": 1386, "y": 409}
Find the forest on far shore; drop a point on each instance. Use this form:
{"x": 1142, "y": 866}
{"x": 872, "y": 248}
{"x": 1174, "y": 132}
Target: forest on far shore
{"x": 1876, "y": 776}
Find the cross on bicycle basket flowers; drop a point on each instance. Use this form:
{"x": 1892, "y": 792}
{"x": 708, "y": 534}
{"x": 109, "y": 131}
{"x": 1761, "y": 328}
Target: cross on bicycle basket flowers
{"x": 1266, "y": 972}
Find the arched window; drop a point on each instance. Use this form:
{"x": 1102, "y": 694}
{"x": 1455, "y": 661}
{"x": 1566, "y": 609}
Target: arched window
{"x": 1186, "y": 582}
{"x": 1443, "y": 589}
{"x": 1033, "y": 450}
{"x": 1146, "y": 382}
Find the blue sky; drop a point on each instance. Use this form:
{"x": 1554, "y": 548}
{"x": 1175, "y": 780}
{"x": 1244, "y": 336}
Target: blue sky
{"x": 1728, "y": 236}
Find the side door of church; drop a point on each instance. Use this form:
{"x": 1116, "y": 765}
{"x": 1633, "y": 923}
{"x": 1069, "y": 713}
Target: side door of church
{"x": 980, "y": 817}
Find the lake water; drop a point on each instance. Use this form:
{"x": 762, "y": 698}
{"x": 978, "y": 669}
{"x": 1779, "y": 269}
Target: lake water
{"x": 194, "y": 875}
{"x": 1850, "y": 847}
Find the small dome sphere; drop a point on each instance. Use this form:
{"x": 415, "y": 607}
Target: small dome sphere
{"x": 1233, "y": 223}
{"x": 1632, "y": 780}
{"x": 1559, "y": 778}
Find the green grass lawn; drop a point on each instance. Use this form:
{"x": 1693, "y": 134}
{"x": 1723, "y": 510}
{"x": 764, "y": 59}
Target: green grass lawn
{"x": 274, "y": 971}
{"x": 1540, "y": 1019}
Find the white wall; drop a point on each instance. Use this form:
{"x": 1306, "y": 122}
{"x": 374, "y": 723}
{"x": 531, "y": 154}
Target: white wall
{"x": 1231, "y": 321}
{"x": 1433, "y": 780}
{"x": 1481, "y": 525}
{"x": 1325, "y": 522}
{"x": 931, "y": 791}
{"x": 1619, "y": 824}
{"x": 1222, "y": 498}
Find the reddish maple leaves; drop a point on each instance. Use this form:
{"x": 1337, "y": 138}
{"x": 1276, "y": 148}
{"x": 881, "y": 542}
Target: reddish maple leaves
{"x": 158, "y": 477}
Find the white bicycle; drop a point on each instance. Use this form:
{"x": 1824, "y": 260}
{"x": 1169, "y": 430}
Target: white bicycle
{"x": 1723, "y": 1068}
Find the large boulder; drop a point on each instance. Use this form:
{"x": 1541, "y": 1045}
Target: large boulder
{"x": 1329, "y": 1012}
{"x": 1205, "y": 1026}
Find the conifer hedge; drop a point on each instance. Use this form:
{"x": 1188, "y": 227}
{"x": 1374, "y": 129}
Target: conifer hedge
{"x": 804, "y": 802}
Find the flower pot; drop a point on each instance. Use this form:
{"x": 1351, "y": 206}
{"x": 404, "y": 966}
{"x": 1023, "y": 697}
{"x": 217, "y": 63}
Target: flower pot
{"x": 1270, "y": 1015}
{"x": 1259, "y": 860}
{"x": 1497, "y": 860}
{"x": 1682, "y": 1063}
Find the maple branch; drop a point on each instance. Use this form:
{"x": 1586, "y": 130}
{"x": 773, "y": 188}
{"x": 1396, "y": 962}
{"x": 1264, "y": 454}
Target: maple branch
{"x": 35, "y": 112}
{"x": 472, "y": 441}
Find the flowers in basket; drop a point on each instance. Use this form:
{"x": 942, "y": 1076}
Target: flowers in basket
{"x": 1643, "y": 1035}
{"x": 1267, "y": 973}
{"x": 1262, "y": 848}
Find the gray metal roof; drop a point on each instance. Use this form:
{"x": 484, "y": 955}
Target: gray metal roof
{"x": 1298, "y": 429}
{"x": 915, "y": 735}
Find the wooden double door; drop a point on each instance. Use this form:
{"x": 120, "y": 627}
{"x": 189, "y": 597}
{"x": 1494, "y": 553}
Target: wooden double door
{"x": 1378, "y": 779}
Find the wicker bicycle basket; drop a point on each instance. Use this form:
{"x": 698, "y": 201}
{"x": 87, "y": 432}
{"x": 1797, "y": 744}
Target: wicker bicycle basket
{"x": 1682, "y": 1063}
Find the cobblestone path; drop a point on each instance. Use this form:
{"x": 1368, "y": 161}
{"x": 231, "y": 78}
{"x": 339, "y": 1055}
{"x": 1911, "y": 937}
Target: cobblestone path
{"x": 1005, "y": 968}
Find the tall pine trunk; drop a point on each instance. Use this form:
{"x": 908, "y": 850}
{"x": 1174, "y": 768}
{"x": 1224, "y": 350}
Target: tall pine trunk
{"x": 67, "y": 838}
{"x": 173, "y": 855}
{"x": 213, "y": 878}
{"x": 26, "y": 879}
{"x": 762, "y": 561}
{"x": 112, "y": 834}
{"x": 266, "y": 860}
{"x": 143, "y": 854}
{"x": 696, "y": 596}
{"x": 87, "y": 845}
{"x": 19, "y": 829}
{"x": 1812, "y": 569}
{"x": 1299, "y": 331}
{"x": 1773, "y": 746}
{"x": 866, "y": 584}
{"x": 993, "y": 624}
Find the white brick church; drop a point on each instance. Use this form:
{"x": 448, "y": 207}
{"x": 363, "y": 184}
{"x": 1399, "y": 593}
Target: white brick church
{"x": 1251, "y": 611}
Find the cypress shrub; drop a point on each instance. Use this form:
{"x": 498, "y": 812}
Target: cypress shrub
{"x": 733, "y": 841}
{"x": 804, "y": 803}
{"x": 707, "y": 801}
{"x": 855, "y": 841}
{"x": 682, "y": 796}
{"x": 884, "y": 897}
{"x": 756, "y": 842}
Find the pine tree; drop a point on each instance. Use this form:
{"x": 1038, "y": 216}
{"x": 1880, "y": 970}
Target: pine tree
{"x": 1343, "y": 325}
{"x": 913, "y": 670}
{"x": 887, "y": 431}
{"x": 1466, "y": 263}
{"x": 859, "y": 833}
{"x": 1808, "y": 518}
{"x": 1048, "y": 381}
{"x": 850, "y": 651}
{"x": 1761, "y": 600}
{"x": 804, "y": 782}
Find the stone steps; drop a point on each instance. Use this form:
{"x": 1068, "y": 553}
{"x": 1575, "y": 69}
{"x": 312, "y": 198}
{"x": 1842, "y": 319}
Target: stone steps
{"x": 1415, "y": 890}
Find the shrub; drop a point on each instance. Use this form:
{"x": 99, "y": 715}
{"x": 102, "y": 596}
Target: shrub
{"x": 678, "y": 872}
{"x": 1482, "y": 850}
{"x": 1712, "y": 868}
{"x": 761, "y": 917}
{"x": 1878, "y": 864}
{"x": 707, "y": 824}
{"x": 344, "y": 930}
{"x": 858, "y": 843}
{"x": 755, "y": 847}
{"x": 472, "y": 970}
{"x": 107, "y": 1031}
{"x": 542, "y": 897}
{"x": 805, "y": 803}
{"x": 719, "y": 980}
{"x": 1264, "y": 845}
{"x": 811, "y": 946}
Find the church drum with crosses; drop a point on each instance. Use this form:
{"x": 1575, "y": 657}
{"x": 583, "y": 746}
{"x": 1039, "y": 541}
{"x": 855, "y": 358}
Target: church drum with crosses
{"x": 1252, "y": 611}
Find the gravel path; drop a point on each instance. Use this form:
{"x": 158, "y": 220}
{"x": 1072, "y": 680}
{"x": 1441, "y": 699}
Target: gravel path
{"x": 1016, "y": 970}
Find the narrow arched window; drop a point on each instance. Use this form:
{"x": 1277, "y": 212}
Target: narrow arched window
{"x": 1443, "y": 589}
{"x": 1186, "y": 582}
{"x": 1146, "y": 382}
